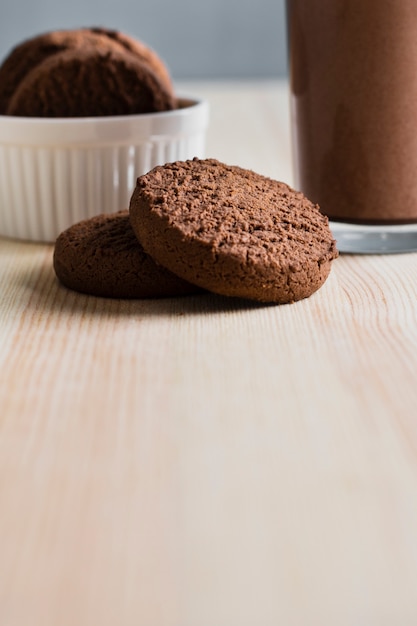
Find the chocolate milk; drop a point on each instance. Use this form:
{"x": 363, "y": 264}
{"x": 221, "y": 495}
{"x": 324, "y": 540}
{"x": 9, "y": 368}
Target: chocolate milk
{"x": 353, "y": 78}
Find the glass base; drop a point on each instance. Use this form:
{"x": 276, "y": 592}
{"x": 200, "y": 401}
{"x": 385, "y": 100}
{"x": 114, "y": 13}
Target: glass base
{"x": 365, "y": 239}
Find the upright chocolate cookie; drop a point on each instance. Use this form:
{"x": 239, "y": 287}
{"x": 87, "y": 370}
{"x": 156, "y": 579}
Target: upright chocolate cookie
{"x": 89, "y": 82}
{"x": 102, "y": 257}
{"x": 232, "y": 231}
{"x": 31, "y": 52}
{"x": 141, "y": 50}
{"x": 27, "y": 55}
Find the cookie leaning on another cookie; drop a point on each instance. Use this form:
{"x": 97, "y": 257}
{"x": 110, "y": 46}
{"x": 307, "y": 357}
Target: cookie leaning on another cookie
{"x": 89, "y": 82}
{"x": 102, "y": 257}
{"x": 232, "y": 231}
{"x": 52, "y": 67}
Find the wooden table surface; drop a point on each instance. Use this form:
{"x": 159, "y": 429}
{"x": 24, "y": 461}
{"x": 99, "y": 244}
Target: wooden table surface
{"x": 207, "y": 461}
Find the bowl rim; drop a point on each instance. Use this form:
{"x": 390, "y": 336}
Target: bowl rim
{"x": 190, "y": 117}
{"x": 186, "y": 104}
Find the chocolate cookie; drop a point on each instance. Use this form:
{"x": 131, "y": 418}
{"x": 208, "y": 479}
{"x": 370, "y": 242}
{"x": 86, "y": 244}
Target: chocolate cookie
{"x": 139, "y": 49}
{"x": 102, "y": 257}
{"x": 232, "y": 231}
{"x": 32, "y": 52}
{"x": 89, "y": 82}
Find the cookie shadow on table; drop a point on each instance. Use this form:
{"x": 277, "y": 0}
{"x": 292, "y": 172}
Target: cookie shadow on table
{"x": 49, "y": 295}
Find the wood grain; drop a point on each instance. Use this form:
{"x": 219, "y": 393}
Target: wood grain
{"x": 205, "y": 461}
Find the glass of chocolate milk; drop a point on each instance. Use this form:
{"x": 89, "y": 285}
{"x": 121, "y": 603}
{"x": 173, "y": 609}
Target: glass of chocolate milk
{"x": 353, "y": 81}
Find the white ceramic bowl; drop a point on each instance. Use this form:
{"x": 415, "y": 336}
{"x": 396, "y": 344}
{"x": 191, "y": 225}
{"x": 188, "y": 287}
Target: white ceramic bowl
{"x": 57, "y": 171}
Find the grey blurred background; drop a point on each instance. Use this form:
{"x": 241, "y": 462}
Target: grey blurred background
{"x": 222, "y": 39}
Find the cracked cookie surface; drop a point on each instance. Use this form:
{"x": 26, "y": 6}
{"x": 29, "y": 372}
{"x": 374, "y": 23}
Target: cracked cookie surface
{"x": 232, "y": 231}
{"x": 102, "y": 257}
